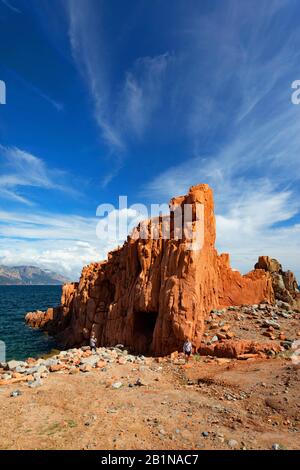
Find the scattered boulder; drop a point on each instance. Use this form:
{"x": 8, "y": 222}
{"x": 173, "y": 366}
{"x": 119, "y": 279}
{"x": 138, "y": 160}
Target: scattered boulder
{"x": 57, "y": 367}
{"x": 275, "y": 446}
{"x": 91, "y": 360}
{"x": 86, "y": 368}
{"x": 272, "y": 323}
{"x": 117, "y": 385}
{"x": 11, "y": 365}
{"x": 34, "y": 383}
{"x": 232, "y": 443}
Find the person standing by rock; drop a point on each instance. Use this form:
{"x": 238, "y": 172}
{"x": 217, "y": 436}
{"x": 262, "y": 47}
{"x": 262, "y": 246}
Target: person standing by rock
{"x": 187, "y": 349}
{"x": 93, "y": 342}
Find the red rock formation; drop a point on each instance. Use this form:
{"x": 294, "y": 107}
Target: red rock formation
{"x": 238, "y": 348}
{"x": 151, "y": 294}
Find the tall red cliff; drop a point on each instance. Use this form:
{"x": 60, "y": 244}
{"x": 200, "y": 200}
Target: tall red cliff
{"x": 151, "y": 294}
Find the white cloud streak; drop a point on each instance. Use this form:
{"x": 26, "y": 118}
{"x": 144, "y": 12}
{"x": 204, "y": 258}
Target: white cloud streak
{"x": 61, "y": 242}
{"x": 122, "y": 112}
{"x": 21, "y": 169}
{"x": 11, "y": 6}
{"x": 236, "y": 101}
{"x": 229, "y": 93}
{"x": 88, "y": 53}
{"x": 253, "y": 217}
{"x": 142, "y": 92}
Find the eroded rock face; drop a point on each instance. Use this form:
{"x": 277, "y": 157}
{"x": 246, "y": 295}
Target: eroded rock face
{"x": 285, "y": 285}
{"x": 151, "y": 294}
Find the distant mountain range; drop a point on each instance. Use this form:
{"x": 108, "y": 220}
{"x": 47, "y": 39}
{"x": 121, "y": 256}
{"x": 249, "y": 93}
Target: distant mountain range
{"x": 29, "y": 275}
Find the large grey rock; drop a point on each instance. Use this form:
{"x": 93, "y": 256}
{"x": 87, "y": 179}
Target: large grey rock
{"x": 51, "y": 362}
{"x": 275, "y": 446}
{"x": 285, "y": 315}
{"x": 117, "y": 385}
{"x": 272, "y": 323}
{"x": 232, "y": 443}
{"x": 85, "y": 368}
{"x": 31, "y": 370}
{"x": 34, "y": 383}
{"x": 42, "y": 369}
{"x": 130, "y": 358}
{"x": 92, "y": 360}
{"x": 105, "y": 355}
{"x": 6, "y": 377}
{"x": 63, "y": 353}
{"x": 14, "y": 364}
{"x": 283, "y": 305}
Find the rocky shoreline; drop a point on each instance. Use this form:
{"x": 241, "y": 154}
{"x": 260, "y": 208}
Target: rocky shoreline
{"x": 34, "y": 371}
{"x": 245, "y": 332}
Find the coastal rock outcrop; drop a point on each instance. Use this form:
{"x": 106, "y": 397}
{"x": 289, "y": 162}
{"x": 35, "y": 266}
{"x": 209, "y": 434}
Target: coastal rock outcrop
{"x": 55, "y": 319}
{"x": 152, "y": 293}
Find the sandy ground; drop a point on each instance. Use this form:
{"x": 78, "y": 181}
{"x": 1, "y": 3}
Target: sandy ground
{"x": 212, "y": 404}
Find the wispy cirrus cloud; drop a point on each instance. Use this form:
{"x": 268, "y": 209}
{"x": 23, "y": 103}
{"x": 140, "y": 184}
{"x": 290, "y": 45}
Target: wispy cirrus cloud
{"x": 89, "y": 54}
{"x": 234, "y": 64}
{"x": 255, "y": 178}
{"x": 59, "y": 106}
{"x": 10, "y": 5}
{"x": 121, "y": 112}
{"x": 22, "y": 170}
{"x": 244, "y": 132}
{"x": 142, "y": 93}
{"x": 254, "y": 217}
{"x": 54, "y": 103}
{"x": 223, "y": 95}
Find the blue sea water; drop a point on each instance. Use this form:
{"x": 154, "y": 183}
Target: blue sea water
{"x": 21, "y": 341}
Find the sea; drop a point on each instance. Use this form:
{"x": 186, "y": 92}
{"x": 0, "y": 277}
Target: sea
{"x": 17, "y": 340}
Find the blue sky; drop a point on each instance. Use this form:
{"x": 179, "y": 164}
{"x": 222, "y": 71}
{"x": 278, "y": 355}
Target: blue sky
{"x": 146, "y": 98}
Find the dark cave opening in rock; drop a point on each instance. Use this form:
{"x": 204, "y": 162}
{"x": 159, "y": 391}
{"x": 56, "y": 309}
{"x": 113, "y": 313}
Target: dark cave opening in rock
{"x": 143, "y": 329}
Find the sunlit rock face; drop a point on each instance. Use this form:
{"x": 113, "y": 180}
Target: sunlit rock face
{"x": 151, "y": 294}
